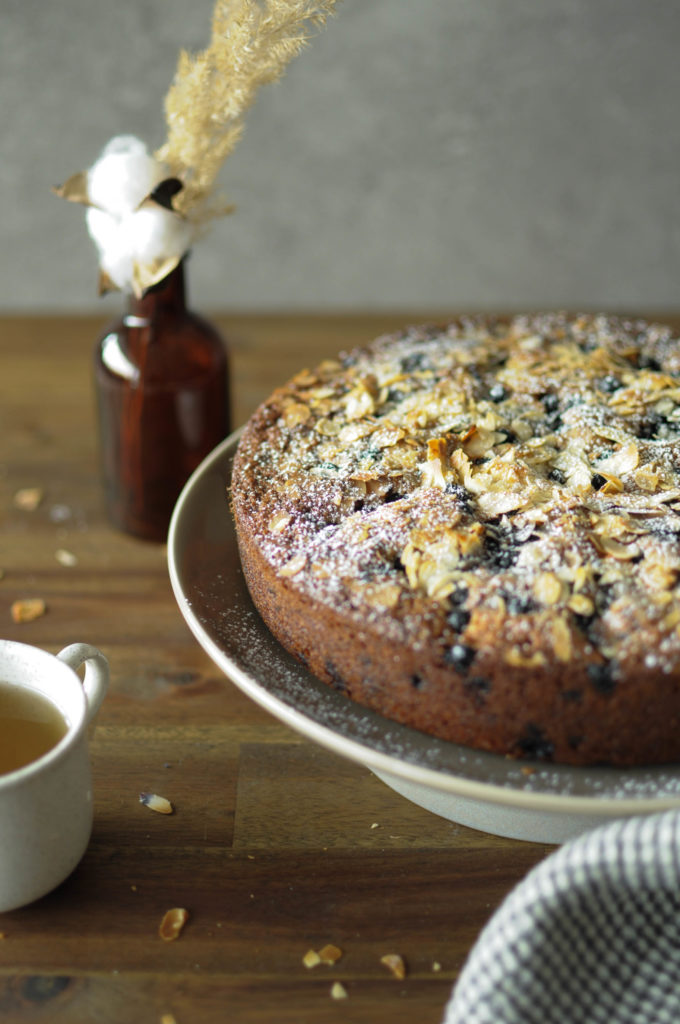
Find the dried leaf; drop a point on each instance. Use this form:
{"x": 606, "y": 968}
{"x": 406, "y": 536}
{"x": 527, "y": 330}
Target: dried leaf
{"x": 74, "y": 189}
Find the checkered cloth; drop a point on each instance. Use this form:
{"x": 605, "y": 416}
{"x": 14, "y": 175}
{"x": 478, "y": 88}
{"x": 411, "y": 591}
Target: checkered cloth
{"x": 590, "y": 936}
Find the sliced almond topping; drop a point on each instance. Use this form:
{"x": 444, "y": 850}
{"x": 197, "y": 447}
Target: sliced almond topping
{"x": 581, "y": 604}
{"x": 623, "y": 461}
{"x": 28, "y": 609}
{"x": 295, "y": 565}
{"x": 338, "y": 991}
{"x": 279, "y": 522}
{"x": 172, "y": 923}
{"x": 561, "y": 638}
{"x": 548, "y": 589}
{"x": 615, "y": 549}
{"x": 516, "y": 657}
{"x": 395, "y": 964}
{"x": 295, "y": 414}
{"x": 612, "y": 486}
{"x": 328, "y": 428}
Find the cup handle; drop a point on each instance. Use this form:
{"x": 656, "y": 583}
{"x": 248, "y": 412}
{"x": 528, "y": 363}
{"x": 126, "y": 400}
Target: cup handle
{"x": 96, "y": 679}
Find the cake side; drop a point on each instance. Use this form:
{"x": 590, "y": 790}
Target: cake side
{"x": 473, "y": 530}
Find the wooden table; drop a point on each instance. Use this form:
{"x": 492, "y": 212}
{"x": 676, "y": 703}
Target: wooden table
{"x": 276, "y": 846}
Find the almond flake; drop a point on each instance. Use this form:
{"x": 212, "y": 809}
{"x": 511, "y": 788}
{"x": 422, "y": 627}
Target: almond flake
{"x": 518, "y": 659}
{"x": 295, "y": 414}
{"x": 330, "y": 954}
{"x": 295, "y": 565}
{"x": 172, "y": 923}
{"x": 156, "y": 803}
{"x": 338, "y": 991}
{"x": 65, "y": 558}
{"x": 279, "y": 522}
{"x": 311, "y": 958}
{"x": 28, "y": 609}
{"x": 548, "y": 588}
{"x": 561, "y": 639}
{"x": 28, "y": 498}
{"x": 614, "y": 548}
{"x": 395, "y": 964}
{"x": 580, "y": 604}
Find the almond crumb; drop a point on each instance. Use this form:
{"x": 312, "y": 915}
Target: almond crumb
{"x": 28, "y": 498}
{"x": 436, "y": 967}
{"x": 28, "y": 609}
{"x": 395, "y": 964}
{"x": 172, "y": 923}
{"x": 65, "y": 558}
{"x": 156, "y": 803}
{"x": 338, "y": 991}
{"x": 330, "y": 954}
{"x": 311, "y": 959}
{"x": 168, "y": 1018}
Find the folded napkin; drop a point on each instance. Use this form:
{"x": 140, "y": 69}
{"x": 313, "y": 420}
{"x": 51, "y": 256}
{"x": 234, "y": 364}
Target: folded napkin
{"x": 592, "y": 934}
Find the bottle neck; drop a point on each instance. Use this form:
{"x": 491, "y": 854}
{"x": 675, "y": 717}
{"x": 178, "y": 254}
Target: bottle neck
{"x": 164, "y": 300}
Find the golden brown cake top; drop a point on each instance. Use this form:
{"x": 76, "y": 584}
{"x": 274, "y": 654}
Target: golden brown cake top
{"x": 514, "y": 484}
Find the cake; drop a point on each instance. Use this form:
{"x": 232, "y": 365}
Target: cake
{"x": 473, "y": 530}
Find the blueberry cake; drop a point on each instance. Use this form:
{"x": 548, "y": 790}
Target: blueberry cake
{"x": 474, "y": 530}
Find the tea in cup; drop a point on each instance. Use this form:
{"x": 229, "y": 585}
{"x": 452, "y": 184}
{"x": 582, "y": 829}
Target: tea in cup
{"x": 45, "y": 780}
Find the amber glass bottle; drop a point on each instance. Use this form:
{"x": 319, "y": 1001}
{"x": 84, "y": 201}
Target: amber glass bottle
{"x": 162, "y": 386}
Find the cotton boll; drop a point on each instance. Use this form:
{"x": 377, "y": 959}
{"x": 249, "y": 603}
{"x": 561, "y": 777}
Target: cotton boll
{"x": 157, "y": 233}
{"x": 123, "y": 176}
{"x": 143, "y": 238}
{"x": 113, "y": 243}
{"x": 103, "y": 228}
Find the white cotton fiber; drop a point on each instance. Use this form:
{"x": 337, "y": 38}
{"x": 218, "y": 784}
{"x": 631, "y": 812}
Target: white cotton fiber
{"x": 156, "y": 232}
{"x": 126, "y": 233}
{"x": 123, "y": 176}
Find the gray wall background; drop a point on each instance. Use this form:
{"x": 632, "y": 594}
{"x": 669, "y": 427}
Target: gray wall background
{"x": 420, "y": 154}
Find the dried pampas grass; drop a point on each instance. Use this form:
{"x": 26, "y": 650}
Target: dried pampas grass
{"x": 251, "y": 43}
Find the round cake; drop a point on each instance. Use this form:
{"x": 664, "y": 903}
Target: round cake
{"x": 473, "y": 529}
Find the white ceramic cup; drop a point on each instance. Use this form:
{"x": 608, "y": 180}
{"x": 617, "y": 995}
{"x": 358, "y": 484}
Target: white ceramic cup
{"x": 46, "y": 806}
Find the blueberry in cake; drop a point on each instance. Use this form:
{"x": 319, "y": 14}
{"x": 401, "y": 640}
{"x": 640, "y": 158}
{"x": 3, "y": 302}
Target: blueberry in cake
{"x": 474, "y": 530}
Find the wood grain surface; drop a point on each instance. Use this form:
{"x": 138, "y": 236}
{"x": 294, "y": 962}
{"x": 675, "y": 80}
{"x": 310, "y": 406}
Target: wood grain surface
{"x": 276, "y": 846}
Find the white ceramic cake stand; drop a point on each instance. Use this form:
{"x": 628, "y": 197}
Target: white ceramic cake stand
{"x": 535, "y": 802}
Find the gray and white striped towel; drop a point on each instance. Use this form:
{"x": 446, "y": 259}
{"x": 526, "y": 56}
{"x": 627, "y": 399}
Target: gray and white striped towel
{"x": 592, "y": 934}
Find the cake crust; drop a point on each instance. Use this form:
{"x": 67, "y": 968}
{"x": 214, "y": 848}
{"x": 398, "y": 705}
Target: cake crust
{"x": 473, "y": 529}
